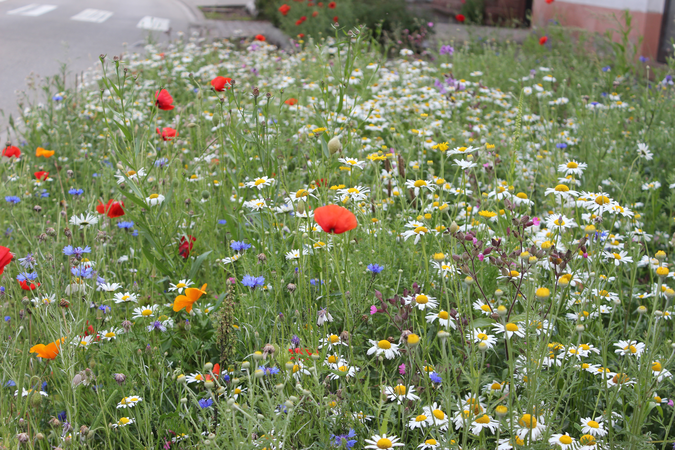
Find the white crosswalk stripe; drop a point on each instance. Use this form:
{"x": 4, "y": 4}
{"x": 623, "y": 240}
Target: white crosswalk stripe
{"x": 32, "y": 10}
{"x": 154, "y": 23}
{"x": 92, "y": 15}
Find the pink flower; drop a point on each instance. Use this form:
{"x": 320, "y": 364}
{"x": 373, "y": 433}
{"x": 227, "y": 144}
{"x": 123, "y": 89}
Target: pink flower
{"x": 670, "y": 403}
{"x": 585, "y": 255}
{"x": 373, "y": 310}
{"x": 401, "y": 370}
{"x": 536, "y": 221}
{"x": 481, "y": 257}
{"x": 430, "y": 24}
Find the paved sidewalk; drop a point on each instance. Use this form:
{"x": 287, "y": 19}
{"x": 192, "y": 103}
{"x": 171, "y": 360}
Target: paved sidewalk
{"x": 446, "y": 33}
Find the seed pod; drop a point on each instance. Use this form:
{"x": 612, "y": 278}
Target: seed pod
{"x": 334, "y": 145}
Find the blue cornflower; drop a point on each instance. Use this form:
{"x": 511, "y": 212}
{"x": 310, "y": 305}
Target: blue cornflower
{"x": 76, "y": 251}
{"x": 13, "y": 199}
{"x": 606, "y": 69}
{"x": 561, "y": 145}
{"x": 73, "y": 191}
{"x": 62, "y": 416}
{"x": 95, "y": 175}
{"x": 125, "y": 225}
{"x": 604, "y": 94}
{"x": 28, "y": 262}
{"x": 104, "y": 308}
{"x": 7, "y": 318}
{"x": 252, "y": 282}
{"x": 447, "y": 50}
{"x": 205, "y": 403}
{"x": 135, "y": 233}
{"x": 643, "y": 59}
{"x": 295, "y": 340}
{"x": 80, "y": 272}
{"x": 435, "y": 377}
{"x": 315, "y": 281}
{"x": 269, "y": 370}
{"x": 345, "y": 440}
{"x": 239, "y": 246}
{"x": 10, "y": 383}
{"x": 25, "y": 276}
{"x": 57, "y": 97}
{"x": 162, "y": 162}
{"x": 222, "y": 222}
{"x": 44, "y": 193}
{"x": 375, "y": 268}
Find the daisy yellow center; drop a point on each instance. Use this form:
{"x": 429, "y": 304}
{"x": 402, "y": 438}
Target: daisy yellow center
{"x": 181, "y": 285}
{"x": 83, "y": 343}
{"x": 559, "y": 222}
{"x": 301, "y": 193}
{"x": 131, "y": 173}
{"x": 521, "y": 195}
{"x": 500, "y": 189}
{"x": 431, "y": 442}
{"x": 419, "y": 230}
{"x": 483, "y": 419}
{"x": 146, "y": 312}
{"x": 631, "y": 348}
{"x": 561, "y": 188}
{"x": 422, "y": 299}
{"x": 657, "y": 399}
{"x": 259, "y": 181}
{"x": 237, "y": 391}
{"x": 587, "y": 439}
{"x": 400, "y": 390}
{"x": 593, "y": 424}
{"x": 444, "y": 315}
{"x": 343, "y": 368}
{"x": 528, "y": 421}
{"x": 514, "y": 273}
{"x": 124, "y": 420}
{"x": 383, "y": 443}
{"x": 332, "y": 359}
{"x": 420, "y": 418}
{"x": 461, "y": 149}
{"x": 601, "y": 200}
{"x": 440, "y": 415}
{"x": 572, "y": 165}
{"x": 616, "y": 255}
{"x": 110, "y": 334}
{"x": 482, "y": 336}
{"x": 519, "y": 442}
{"x": 656, "y": 366}
{"x": 333, "y": 338}
{"x": 485, "y": 308}
{"x": 353, "y": 191}
{"x": 496, "y": 386}
{"x": 512, "y": 327}
{"x": 565, "y": 440}
{"x": 154, "y": 196}
{"x": 585, "y": 347}
{"x": 420, "y": 183}
{"x": 126, "y": 297}
{"x": 384, "y": 344}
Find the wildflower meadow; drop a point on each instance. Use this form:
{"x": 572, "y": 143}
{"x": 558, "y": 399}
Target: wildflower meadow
{"x": 221, "y": 244}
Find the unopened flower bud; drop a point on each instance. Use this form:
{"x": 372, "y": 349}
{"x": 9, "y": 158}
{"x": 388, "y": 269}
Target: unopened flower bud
{"x": 208, "y": 366}
{"x": 334, "y": 145}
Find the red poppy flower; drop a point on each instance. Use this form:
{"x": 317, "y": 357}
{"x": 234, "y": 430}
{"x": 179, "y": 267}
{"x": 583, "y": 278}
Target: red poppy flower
{"x": 331, "y": 5}
{"x": 315, "y": 13}
{"x": 164, "y": 100}
{"x": 320, "y": 4}
{"x": 335, "y": 219}
{"x": 221, "y": 83}
{"x": 298, "y": 23}
{"x": 543, "y": 40}
{"x": 301, "y": 35}
{"x": 283, "y": 9}
{"x": 335, "y": 19}
{"x": 5, "y": 258}
{"x": 291, "y": 101}
{"x": 259, "y": 37}
{"x": 460, "y": 18}
{"x": 11, "y": 152}
{"x": 303, "y": 18}
{"x": 215, "y": 370}
{"x": 112, "y": 209}
{"x": 186, "y": 244}
{"x": 167, "y": 133}
{"x": 28, "y": 287}
{"x": 41, "y": 175}
{"x": 549, "y": 1}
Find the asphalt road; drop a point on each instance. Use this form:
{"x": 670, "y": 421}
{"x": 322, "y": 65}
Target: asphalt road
{"x": 38, "y": 36}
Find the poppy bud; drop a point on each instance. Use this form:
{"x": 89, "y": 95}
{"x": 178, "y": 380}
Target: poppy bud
{"x": 51, "y": 231}
{"x": 67, "y": 232}
{"x": 23, "y": 438}
{"x": 291, "y": 287}
{"x": 40, "y": 437}
{"x": 215, "y": 120}
{"x": 334, "y": 145}
{"x": 453, "y": 227}
{"x": 36, "y": 399}
{"x": 37, "y": 208}
{"x": 120, "y": 378}
{"x": 70, "y": 173}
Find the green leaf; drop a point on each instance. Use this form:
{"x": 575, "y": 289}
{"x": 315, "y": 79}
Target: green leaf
{"x": 324, "y": 147}
{"x": 385, "y": 420}
{"x": 482, "y": 323}
{"x": 197, "y": 264}
{"x": 159, "y": 265}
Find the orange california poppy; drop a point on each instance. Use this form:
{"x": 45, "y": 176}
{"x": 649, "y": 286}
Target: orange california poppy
{"x": 48, "y": 351}
{"x": 42, "y": 152}
{"x": 186, "y": 301}
{"x": 335, "y": 219}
